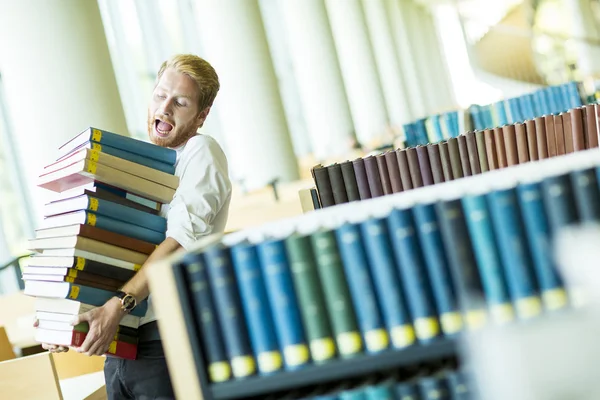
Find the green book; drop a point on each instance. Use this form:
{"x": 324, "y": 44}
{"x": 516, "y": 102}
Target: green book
{"x": 310, "y": 297}
{"x": 337, "y": 294}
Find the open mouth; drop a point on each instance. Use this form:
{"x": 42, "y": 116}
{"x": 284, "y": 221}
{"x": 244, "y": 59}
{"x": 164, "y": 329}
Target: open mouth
{"x": 162, "y": 128}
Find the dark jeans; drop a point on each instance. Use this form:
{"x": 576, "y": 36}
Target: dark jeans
{"x": 145, "y": 378}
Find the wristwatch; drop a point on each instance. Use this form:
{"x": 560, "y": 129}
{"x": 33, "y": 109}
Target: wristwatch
{"x": 128, "y": 301}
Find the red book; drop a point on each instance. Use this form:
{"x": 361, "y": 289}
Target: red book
{"x": 75, "y": 338}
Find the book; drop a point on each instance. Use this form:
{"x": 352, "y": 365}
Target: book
{"x": 131, "y": 145}
{"x": 118, "y": 347}
{"x": 64, "y": 310}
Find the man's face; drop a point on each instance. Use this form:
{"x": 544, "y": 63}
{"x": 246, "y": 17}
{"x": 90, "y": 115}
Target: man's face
{"x": 173, "y": 115}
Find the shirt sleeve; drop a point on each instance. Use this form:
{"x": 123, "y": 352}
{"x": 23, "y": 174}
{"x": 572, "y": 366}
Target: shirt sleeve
{"x": 204, "y": 188}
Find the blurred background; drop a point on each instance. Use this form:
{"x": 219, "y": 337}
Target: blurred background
{"x": 302, "y": 81}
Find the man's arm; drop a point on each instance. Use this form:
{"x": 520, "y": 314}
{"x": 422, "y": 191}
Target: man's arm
{"x": 104, "y": 320}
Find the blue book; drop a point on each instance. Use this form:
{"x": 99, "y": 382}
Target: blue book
{"x": 538, "y": 237}
{"x": 478, "y": 121}
{"x": 562, "y": 102}
{"x": 463, "y": 267}
{"x": 413, "y": 274}
{"x": 133, "y": 157}
{"x": 587, "y": 195}
{"x": 458, "y": 385}
{"x": 385, "y": 276}
{"x": 573, "y": 95}
{"x": 510, "y": 118}
{"x": 437, "y": 268}
{"x": 421, "y": 132}
{"x": 437, "y": 129}
{"x": 228, "y": 305}
{"x": 486, "y": 114}
{"x": 283, "y": 303}
{"x": 353, "y": 394}
{"x": 362, "y": 288}
{"x": 541, "y": 101}
{"x": 91, "y": 203}
{"x": 139, "y": 147}
{"x": 501, "y": 113}
{"x": 454, "y": 123}
{"x": 488, "y": 259}
{"x": 381, "y": 391}
{"x": 553, "y": 100}
{"x": 83, "y": 294}
{"x": 256, "y": 308}
{"x": 536, "y": 105}
{"x": 515, "y": 110}
{"x": 409, "y": 134}
{"x": 406, "y": 391}
{"x": 207, "y": 326}
{"x": 559, "y": 202}
{"x": 514, "y": 252}
{"x": 433, "y": 388}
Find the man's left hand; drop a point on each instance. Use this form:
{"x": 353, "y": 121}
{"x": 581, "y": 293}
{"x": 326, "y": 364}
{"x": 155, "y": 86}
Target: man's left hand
{"x": 103, "y": 323}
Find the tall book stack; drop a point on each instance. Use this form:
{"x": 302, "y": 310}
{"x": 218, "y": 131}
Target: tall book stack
{"x": 470, "y": 153}
{"x": 373, "y": 285}
{"x": 100, "y": 228}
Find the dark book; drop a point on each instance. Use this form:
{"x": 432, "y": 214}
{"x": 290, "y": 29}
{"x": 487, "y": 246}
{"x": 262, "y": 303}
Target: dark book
{"x": 463, "y": 267}
{"x": 482, "y": 151}
{"x": 391, "y": 160}
{"x": 587, "y": 196}
{"x": 384, "y": 174}
{"x": 532, "y": 145}
{"x": 255, "y": 304}
{"x": 510, "y": 145}
{"x": 337, "y": 294}
{"x": 229, "y": 313}
{"x": 338, "y": 187}
{"x": 413, "y": 167}
{"x": 373, "y": 176}
{"x": 550, "y": 135}
{"x": 541, "y": 139}
{"x": 309, "y": 292}
{"x": 424, "y": 165}
{"x": 361, "y": 179}
{"x": 204, "y": 316}
{"x": 63, "y": 264}
{"x": 559, "y": 135}
{"x": 350, "y": 181}
{"x": 577, "y": 129}
{"x": 321, "y": 178}
{"x": 473, "y": 152}
{"x": 455, "y": 161}
{"x": 404, "y": 169}
{"x": 490, "y": 149}
{"x": 433, "y": 388}
{"x": 568, "y": 132}
{"x": 522, "y": 146}
{"x": 463, "y": 152}
{"x": 446, "y": 163}
{"x": 591, "y": 126}
{"x": 98, "y": 283}
{"x": 500, "y": 147}
{"x": 559, "y": 202}
{"x": 437, "y": 171}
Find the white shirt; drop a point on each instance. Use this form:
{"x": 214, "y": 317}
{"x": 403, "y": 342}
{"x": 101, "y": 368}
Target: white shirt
{"x": 201, "y": 202}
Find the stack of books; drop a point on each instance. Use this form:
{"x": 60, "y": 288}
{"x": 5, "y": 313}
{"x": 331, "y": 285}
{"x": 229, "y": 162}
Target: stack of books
{"x": 470, "y": 153}
{"x": 96, "y": 234}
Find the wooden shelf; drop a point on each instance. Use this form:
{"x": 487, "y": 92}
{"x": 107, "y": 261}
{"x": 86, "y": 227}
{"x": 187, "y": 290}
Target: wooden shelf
{"x": 334, "y": 370}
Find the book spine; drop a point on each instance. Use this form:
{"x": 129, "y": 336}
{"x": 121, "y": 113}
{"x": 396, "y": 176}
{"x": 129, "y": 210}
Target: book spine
{"x": 136, "y": 158}
{"x": 541, "y": 138}
{"x": 230, "y": 316}
{"x": 473, "y": 153}
{"x": 394, "y": 171}
{"x": 487, "y": 257}
{"x": 256, "y": 308}
{"x": 350, "y": 181}
{"x": 98, "y": 268}
{"x": 559, "y": 135}
{"x": 406, "y": 391}
{"x": 414, "y": 168}
{"x": 550, "y": 135}
{"x": 283, "y": 303}
{"x": 199, "y": 291}
{"x": 337, "y": 294}
{"x": 362, "y": 289}
{"x": 432, "y": 388}
{"x": 385, "y": 277}
{"x": 538, "y": 237}
{"x": 134, "y": 146}
{"x": 413, "y": 274}
{"x": 577, "y": 129}
{"x": 404, "y": 169}
{"x": 123, "y": 228}
{"x": 510, "y": 145}
{"x": 323, "y": 184}
{"x": 458, "y": 385}
{"x": 437, "y": 268}
{"x": 463, "y": 153}
{"x": 521, "y": 142}
{"x": 531, "y": 135}
{"x": 455, "y": 161}
{"x": 568, "y": 132}
{"x": 337, "y": 184}
{"x": 500, "y": 147}
{"x": 490, "y": 149}
{"x": 373, "y": 176}
{"x": 587, "y": 196}
{"x": 310, "y": 298}
{"x": 463, "y": 267}
{"x": 424, "y": 165}
{"x": 446, "y": 163}
{"x": 119, "y": 349}
{"x": 514, "y": 252}
{"x": 384, "y": 174}
{"x": 127, "y": 214}
{"x": 559, "y": 202}
{"x": 361, "y": 179}
{"x": 437, "y": 170}
{"x": 591, "y": 125}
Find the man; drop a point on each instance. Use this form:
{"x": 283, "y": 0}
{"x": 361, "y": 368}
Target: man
{"x": 185, "y": 89}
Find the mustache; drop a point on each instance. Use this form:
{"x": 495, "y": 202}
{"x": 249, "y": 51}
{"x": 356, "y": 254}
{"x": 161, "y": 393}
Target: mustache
{"x": 164, "y": 119}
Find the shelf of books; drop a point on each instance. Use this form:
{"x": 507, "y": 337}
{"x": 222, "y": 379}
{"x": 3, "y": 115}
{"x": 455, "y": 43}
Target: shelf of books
{"x": 370, "y": 298}
{"x": 97, "y": 232}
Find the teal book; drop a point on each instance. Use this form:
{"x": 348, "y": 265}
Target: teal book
{"x": 149, "y": 150}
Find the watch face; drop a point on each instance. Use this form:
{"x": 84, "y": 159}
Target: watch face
{"x": 128, "y": 302}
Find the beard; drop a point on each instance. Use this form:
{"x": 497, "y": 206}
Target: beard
{"x": 176, "y": 137}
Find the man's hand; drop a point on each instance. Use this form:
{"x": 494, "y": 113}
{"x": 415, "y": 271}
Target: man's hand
{"x": 103, "y": 322}
{"x": 52, "y": 348}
